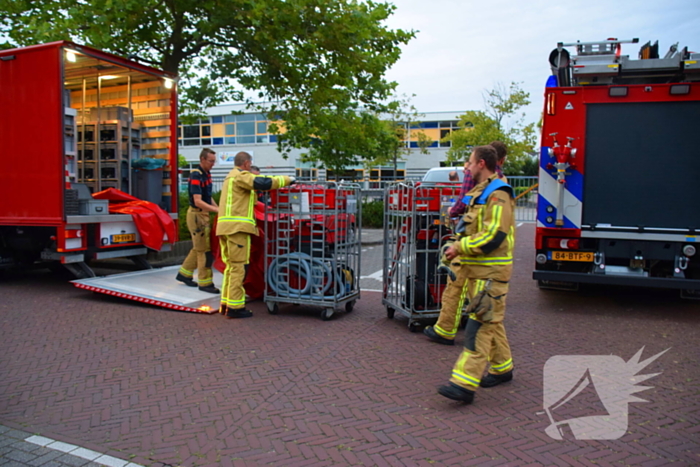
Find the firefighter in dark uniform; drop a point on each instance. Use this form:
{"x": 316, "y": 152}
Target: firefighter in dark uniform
{"x": 482, "y": 260}
{"x": 200, "y": 257}
{"x": 235, "y": 226}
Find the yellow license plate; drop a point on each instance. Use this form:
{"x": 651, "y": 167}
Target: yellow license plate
{"x": 124, "y": 238}
{"x": 572, "y": 256}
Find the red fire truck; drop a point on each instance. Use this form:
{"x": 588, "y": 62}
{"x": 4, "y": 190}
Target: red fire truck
{"x": 619, "y": 196}
{"x": 72, "y": 121}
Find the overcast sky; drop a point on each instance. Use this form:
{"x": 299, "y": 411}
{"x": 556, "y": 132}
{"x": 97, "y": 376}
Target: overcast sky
{"x": 465, "y": 47}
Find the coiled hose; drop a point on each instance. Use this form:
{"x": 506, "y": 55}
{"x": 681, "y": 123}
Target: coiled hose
{"x": 318, "y": 277}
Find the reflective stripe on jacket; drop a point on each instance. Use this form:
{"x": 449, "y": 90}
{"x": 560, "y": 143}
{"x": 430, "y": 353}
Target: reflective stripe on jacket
{"x": 238, "y": 197}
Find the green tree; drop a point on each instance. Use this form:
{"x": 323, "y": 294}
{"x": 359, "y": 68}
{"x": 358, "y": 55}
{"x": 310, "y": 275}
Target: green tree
{"x": 182, "y": 162}
{"x": 400, "y": 121}
{"x": 315, "y": 59}
{"x": 502, "y": 120}
{"x": 341, "y": 139}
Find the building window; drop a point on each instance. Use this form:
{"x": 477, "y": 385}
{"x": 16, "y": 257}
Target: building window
{"x": 245, "y": 128}
{"x": 307, "y": 174}
{"x": 348, "y": 174}
{"x": 444, "y": 134}
{"x": 191, "y": 131}
{"x": 249, "y": 128}
{"x": 428, "y": 125}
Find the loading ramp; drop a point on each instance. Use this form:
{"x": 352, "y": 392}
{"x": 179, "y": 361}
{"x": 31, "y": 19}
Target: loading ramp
{"x": 155, "y": 287}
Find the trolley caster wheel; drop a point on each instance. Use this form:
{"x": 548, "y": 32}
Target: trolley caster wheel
{"x": 327, "y": 314}
{"x": 273, "y": 308}
{"x": 414, "y": 327}
{"x": 390, "y": 312}
{"x": 349, "y": 306}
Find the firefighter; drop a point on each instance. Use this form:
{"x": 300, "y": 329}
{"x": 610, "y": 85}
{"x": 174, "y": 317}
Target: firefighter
{"x": 483, "y": 262}
{"x": 235, "y": 226}
{"x": 198, "y": 223}
{"x": 445, "y": 329}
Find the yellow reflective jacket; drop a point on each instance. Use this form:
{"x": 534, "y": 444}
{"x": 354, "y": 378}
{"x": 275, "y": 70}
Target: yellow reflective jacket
{"x": 237, "y": 203}
{"x": 489, "y": 239}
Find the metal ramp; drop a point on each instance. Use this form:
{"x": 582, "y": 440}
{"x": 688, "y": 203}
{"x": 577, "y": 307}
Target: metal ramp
{"x": 156, "y": 287}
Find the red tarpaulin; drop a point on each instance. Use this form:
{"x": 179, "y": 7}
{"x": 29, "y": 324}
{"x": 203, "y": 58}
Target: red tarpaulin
{"x": 152, "y": 222}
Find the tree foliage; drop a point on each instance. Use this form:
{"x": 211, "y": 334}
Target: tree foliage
{"x": 400, "y": 120}
{"x": 315, "y": 59}
{"x": 500, "y": 121}
{"x": 340, "y": 139}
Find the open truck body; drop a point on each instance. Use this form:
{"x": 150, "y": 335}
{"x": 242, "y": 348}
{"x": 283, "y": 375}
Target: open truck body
{"x": 619, "y": 190}
{"x": 72, "y": 120}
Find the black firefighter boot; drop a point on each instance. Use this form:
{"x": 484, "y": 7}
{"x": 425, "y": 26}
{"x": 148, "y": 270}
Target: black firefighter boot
{"x": 435, "y": 337}
{"x": 185, "y": 280}
{"x": 492, "y": 380}
{"x": 456, "y": 393}
{"x": 238, "y": 313}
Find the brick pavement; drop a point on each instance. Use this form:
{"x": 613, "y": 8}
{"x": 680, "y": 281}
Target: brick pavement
{"x": 158, "y": 387}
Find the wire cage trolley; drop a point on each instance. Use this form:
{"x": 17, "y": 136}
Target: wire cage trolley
{"x": 416, "y": 226}
{"x": 313, "y": 256}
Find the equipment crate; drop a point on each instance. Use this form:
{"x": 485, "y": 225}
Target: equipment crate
{"x": 312, "y": 252}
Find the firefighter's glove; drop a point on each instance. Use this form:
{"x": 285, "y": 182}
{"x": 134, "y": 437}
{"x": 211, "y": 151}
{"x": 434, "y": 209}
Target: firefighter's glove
{"x": 292, "y": 181}
{"x": 482, "y": 307}
{"x": 445, "y": 263}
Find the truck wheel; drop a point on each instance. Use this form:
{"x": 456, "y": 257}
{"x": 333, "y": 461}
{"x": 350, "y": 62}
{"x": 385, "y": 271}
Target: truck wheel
{"x": 141, "y": 262}
{"x": 80, "y": 270}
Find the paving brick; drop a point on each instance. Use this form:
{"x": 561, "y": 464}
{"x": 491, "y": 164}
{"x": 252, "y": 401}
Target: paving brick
{"x": 148, "y": 384}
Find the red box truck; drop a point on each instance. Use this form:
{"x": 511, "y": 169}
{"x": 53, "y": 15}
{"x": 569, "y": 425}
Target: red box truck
{"x": 72, "y": 121}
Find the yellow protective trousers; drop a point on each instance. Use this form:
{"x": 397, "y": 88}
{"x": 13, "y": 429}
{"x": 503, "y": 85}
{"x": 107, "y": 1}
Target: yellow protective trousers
{"x": 484, "y": 342}
{"x": 235, "y": 252}
{"x": 453, "y": 299}
{"x": 199, "y": 257}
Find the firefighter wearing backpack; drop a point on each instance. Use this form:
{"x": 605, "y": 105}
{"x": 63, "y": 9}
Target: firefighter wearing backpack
{"x": 445, "y": 329}
{"x": 235, "y": 226}
{"x": 482, "y": 260}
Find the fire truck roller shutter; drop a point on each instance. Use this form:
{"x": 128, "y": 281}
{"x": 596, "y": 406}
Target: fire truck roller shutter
{"x": 641, "y": 165}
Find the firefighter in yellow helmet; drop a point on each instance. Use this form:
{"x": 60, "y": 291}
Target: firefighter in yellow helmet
{"x": 235, "y": 225}
{"x": 482, "y": 260}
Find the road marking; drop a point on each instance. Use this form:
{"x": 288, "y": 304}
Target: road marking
{"x": 377, "y": 276}
{"x": 77, "y": 451}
